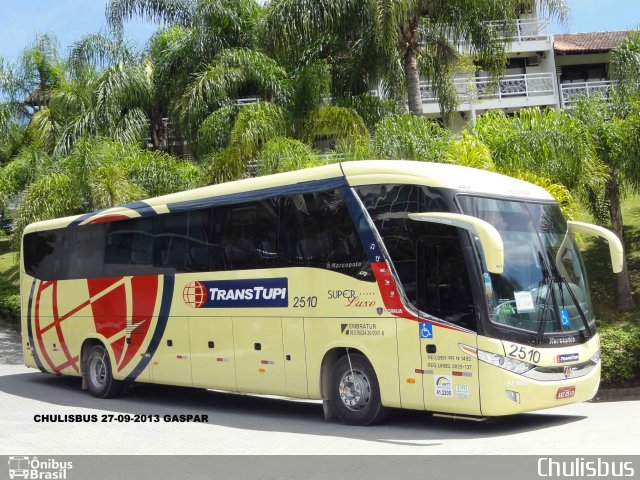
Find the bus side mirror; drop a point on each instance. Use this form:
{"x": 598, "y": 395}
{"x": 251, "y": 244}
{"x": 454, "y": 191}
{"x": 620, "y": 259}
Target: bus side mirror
{"x": 615, "y": 246}
{"x": 490, "y": 239}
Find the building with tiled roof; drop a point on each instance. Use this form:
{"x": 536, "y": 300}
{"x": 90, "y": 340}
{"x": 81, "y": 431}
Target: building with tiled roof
{"x": 587, "y": 42}
{"x": 543, "y": 70}
{"x": 582, "y": 63}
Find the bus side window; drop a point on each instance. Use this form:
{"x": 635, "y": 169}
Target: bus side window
{"x": 129, "y": 242}
{"x": 245, "y": 235}
{"x": 317, "y": 231}
{"x": 170, "y": 242}
{"x": 200, "y": 249}
{"x": 87, "y": 258}
{"x": 46, "y": 254}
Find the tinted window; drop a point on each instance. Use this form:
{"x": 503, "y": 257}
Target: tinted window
{"x": 245, "y": 236}
{"x": 171, "y": 241}
{"x": 88, "y": 252}
{"x": 443, "y": 287}
{"x": 46, "y": 253}
{"x": 129, "y": 247}
{"x": 317, "y": 231}
{"x": 428, "y": 257}
{"x": 312, "y": 230}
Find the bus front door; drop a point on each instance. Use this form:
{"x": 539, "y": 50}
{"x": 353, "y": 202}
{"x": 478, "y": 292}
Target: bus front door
{"x": 443, "y": 291}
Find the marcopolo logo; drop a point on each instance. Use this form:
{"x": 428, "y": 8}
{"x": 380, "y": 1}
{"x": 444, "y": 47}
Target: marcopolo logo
{"x": 34, "y": 468}
{"x": 250, "y": 293}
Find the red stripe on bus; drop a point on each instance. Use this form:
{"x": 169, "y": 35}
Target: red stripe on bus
{"x": 57, "y": 320}
{"x": 43, "y": 350}
{"x": 391, "y": 297}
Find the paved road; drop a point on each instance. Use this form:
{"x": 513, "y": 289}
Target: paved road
{"x": 241, "y": 424}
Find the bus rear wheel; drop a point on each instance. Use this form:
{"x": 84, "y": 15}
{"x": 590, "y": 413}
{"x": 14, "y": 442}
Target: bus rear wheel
{"x": 355, "y": 392}
{"x": 98, "y": 376}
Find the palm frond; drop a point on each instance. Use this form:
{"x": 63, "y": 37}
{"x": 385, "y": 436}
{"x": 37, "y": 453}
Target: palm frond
{"x": 339, "y": 123}
{"x": 469, "y": 151}
{"x": 410, "y": 138}
{"x": 158, "y": 11}
{"x": 96, "y": 50}
{"x": 283, "y": 154}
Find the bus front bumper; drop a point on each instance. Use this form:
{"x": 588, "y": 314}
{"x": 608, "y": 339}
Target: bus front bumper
{"x": 505, "y": 393}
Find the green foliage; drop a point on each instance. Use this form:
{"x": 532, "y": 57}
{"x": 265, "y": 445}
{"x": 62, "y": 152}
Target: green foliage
{"x": 360, "y": 149}
{"x": 336, "y": 122}
{"x": 372, "y": 108}
{"x": 624, "y": 68}
{"x": 549, "y": 143}
{"x": 215, "y": 132}
{"x": 51, "y": 196}
{"x": 620, "y": 352}
{"x": 407, "y": 137}
{"x": 98, "y": 174}
{"x": 469, "y": 151}
{"x": 9, "y": 301}
{"x": 283, "y": 154}
{"x": 311, "y": 87}
{"x": 223, "y": 166}
{"x": 255, "y": 125}
{"x": 158, "y": 173}
{"x": 225, "y": 76}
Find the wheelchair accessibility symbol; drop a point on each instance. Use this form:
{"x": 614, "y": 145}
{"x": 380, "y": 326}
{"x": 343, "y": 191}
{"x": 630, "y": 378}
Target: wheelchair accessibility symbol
{"x": 564, "y": 317}
{"x": 426, "y": 330}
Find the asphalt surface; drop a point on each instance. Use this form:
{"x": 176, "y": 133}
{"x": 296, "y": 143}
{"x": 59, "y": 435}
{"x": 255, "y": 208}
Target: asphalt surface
{"x": 243, "y": 424}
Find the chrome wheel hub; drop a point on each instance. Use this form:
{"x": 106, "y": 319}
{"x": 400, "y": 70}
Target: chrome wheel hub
{"x": 97, "y": 371}
{"x": 354, "y": 390}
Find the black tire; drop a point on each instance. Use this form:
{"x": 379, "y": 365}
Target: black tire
{"x": 356, "y": 402}
{"x": 97, "y": 372}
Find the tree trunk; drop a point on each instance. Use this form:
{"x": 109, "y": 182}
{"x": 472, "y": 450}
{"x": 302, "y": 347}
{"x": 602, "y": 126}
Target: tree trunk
{"x": 158, "y": 132}
{"x": 625, "y": 297}
{"x": 412, "y": 78}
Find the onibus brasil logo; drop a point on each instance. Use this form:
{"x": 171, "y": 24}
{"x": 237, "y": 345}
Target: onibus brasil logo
{"x": 34, "y": 468}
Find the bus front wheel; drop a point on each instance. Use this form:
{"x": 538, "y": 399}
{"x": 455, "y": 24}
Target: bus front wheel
{"x": 98, "y": 375}
{"x": 355, "y": 392}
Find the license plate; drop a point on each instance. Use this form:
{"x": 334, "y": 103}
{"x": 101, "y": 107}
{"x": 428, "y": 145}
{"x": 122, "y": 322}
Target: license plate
{"x": 565, "y": 392}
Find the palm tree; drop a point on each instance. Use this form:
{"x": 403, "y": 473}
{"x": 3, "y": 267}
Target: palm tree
{"x": 109, "y": 103}
{"x": 94, "y": 174}
{"x": 24, "y": 85}
{"x": 400, "y": 33}
{"x": 409, "y": 137}
{"x": 549, "y": 143}
{"x": 616, "y": 143}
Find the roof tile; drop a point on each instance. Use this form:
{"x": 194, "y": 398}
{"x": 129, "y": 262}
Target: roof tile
{"x": 588, "y": 42}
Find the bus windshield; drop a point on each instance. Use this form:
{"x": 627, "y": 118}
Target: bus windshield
{"x": 543, "y": 288}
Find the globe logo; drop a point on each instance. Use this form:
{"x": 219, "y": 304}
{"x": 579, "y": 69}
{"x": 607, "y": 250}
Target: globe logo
{"x": 195, "y": 294}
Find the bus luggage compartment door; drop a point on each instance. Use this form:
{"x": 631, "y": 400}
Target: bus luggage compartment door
{"x": 259, "y": 354}
{"x": 171, "y": 363}
{"x": 212, "y": 357}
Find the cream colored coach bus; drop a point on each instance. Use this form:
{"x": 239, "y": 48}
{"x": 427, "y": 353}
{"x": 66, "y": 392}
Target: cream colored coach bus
{"x": 369, "y": 285}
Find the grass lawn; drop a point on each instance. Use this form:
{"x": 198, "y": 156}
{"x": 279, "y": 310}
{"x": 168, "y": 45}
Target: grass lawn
{"x": 8, "y": 267}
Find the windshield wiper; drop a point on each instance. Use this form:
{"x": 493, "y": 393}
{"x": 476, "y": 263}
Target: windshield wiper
{"x": 548, "y": 281}
{"x": 563, "y": 281}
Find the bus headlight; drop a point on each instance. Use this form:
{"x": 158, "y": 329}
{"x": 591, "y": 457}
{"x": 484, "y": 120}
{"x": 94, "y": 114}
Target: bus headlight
{"x": 507, "y": 363}
{"x": 596, "y": 357}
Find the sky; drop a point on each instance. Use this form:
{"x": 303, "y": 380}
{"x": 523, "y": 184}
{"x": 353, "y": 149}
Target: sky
{"x": 20, "y": 20}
